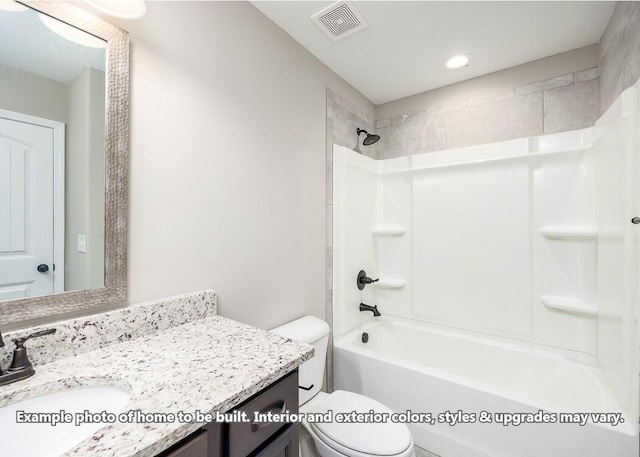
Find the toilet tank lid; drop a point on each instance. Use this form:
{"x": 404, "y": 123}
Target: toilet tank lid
{"x": 307, "y": 329}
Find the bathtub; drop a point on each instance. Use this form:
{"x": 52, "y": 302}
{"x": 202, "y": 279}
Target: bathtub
{"x": 423, "y": 368}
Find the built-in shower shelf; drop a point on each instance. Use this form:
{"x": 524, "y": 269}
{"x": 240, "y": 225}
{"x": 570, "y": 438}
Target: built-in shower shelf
{"x": 389, "y": 231}
{"x": 611, "y": 234}
{"x": 391, "y": 283}
{"x": 569, "y": 232}
{"x": 570, "y": 305}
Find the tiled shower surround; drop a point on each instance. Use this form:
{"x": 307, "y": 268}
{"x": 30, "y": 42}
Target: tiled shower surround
{"x": 561, "y": 103}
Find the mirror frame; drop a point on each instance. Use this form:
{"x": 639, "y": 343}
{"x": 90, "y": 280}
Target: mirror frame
{"x": 21, "y": 312}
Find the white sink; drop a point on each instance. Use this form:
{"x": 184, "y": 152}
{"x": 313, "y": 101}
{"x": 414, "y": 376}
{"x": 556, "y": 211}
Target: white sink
{"x": 44, "y": 440}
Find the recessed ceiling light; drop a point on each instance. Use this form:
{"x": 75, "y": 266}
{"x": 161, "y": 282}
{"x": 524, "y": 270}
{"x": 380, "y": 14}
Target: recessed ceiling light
{"x": 125, "y": 9}
{"x": 459, "y": 61}
{"x": 70, "y": 33}
{"x": 10, "y": 5}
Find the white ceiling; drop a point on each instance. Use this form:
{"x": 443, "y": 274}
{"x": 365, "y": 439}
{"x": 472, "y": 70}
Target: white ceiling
{"x": 403, "y": 50}
{"x": 28, "y": 45}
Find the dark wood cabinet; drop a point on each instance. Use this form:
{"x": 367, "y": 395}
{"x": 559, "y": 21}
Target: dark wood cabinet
{"x": 283, "y": 445}
{"x": 252, "y": 438}
{"x": 215, "y": 445}
{"x": 195, "y": 445}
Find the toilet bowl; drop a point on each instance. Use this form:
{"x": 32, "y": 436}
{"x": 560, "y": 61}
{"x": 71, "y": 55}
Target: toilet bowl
{"x": 356, "y": 439}
{"x": 336, "y": 438}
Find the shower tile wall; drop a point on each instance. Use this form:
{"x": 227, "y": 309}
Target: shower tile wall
{"x": 516, "y": 117}
{"x": 570, "y": 106}
{"x": 346, "y": 118}
{"x": 562, "y": 103}
{"x": 619, "y": 53}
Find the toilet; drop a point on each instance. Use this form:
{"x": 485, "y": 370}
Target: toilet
{"x": 333, "y": 439}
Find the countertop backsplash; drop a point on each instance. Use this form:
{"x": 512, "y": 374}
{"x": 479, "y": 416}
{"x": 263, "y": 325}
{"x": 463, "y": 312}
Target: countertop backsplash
{"x": 78, "y": 335}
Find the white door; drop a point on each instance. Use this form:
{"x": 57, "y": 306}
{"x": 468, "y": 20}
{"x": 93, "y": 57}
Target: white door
{"x": 26, "y": 209}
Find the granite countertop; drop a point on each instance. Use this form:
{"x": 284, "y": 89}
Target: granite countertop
{"x": 208, "y": 365}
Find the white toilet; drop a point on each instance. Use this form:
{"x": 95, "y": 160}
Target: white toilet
{"x": 386, "y": 439}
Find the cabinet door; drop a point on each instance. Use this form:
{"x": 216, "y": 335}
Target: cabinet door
{"x": 285, "y": 445}
{"x": 245, "y": 437}
{"x": 193, "y": 446}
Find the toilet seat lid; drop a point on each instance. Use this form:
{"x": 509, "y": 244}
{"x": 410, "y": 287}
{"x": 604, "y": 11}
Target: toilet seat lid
{"x": 382, "y": 439}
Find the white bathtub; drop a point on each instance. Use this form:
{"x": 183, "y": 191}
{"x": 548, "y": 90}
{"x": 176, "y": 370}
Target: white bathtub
{"x": 430, "y": 369}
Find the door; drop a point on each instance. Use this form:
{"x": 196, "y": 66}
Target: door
{"x": 26, "y": 207}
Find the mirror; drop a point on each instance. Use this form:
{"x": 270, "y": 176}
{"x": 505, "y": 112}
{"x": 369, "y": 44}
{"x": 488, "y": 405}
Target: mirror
{"x": 63, "y": 161}
{"x": 52, "y": 106}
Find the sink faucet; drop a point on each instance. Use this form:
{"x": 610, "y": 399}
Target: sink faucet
{"x": 21, "y": 367}
{"x": 373, "y": 309}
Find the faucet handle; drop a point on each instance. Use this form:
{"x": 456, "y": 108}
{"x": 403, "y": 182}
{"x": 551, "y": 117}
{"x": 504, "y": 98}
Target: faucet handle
{"x": 20, "y": 341}
{"x": 363, "y": 279}
{"x": 20, "y": 360}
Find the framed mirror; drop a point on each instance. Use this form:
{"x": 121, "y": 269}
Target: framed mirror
{"x": 64, "y": 136}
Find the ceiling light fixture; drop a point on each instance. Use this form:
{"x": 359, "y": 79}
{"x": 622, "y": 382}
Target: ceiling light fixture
{"x": 10, "y": 5}
{"x": 70, "y": 33}
{"x": 125, "y": 9}
{"x": 458, "y": 61}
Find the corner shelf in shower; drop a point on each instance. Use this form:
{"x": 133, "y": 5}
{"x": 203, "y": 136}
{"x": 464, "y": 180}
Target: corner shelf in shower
{"x": 569, "y": 232}
{"x": 389, "y": 231}
{"x": 391, "y": 283}
{"x": 570, "y": 305}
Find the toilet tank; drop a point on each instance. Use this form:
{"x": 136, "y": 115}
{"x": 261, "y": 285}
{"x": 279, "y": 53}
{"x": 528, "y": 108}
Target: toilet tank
{"x": 314, "y": 331}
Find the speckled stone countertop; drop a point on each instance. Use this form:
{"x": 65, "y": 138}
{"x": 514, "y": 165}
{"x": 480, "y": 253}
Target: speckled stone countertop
{"x": 207, "y": 365}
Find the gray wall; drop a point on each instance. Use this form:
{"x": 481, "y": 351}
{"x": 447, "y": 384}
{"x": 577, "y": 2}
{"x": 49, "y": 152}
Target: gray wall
{"x": 554, "y": 94}
{"x": 227, "y": 183}
{"x": 619, "y": 53}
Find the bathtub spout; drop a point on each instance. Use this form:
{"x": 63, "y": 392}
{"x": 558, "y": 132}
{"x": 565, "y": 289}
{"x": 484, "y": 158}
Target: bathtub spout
{"x": 373, "y": 309}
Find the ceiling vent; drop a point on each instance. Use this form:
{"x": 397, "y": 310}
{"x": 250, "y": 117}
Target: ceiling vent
{"x": 339, "y": 20}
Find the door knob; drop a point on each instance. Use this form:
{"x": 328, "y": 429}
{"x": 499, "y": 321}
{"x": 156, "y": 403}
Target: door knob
{"x": 635, "y": 220}
{"x": 43, "y": 268}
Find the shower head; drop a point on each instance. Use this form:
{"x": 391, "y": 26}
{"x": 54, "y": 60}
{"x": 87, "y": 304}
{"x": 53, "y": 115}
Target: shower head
{"x": 369, "y": 139}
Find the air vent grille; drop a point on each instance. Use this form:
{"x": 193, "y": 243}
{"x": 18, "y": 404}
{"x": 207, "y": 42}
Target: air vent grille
{"x": 339, "y": 20}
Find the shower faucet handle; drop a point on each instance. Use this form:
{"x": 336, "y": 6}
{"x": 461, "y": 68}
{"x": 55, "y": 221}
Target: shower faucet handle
{"x": 363, "y": 280}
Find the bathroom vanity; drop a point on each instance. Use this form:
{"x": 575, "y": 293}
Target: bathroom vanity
{"x": 239, "y": 439}
{"x": 167, "y": 357}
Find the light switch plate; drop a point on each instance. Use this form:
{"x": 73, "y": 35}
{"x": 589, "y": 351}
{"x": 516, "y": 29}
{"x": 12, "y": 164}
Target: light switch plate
{"x": 82, "y": 242}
